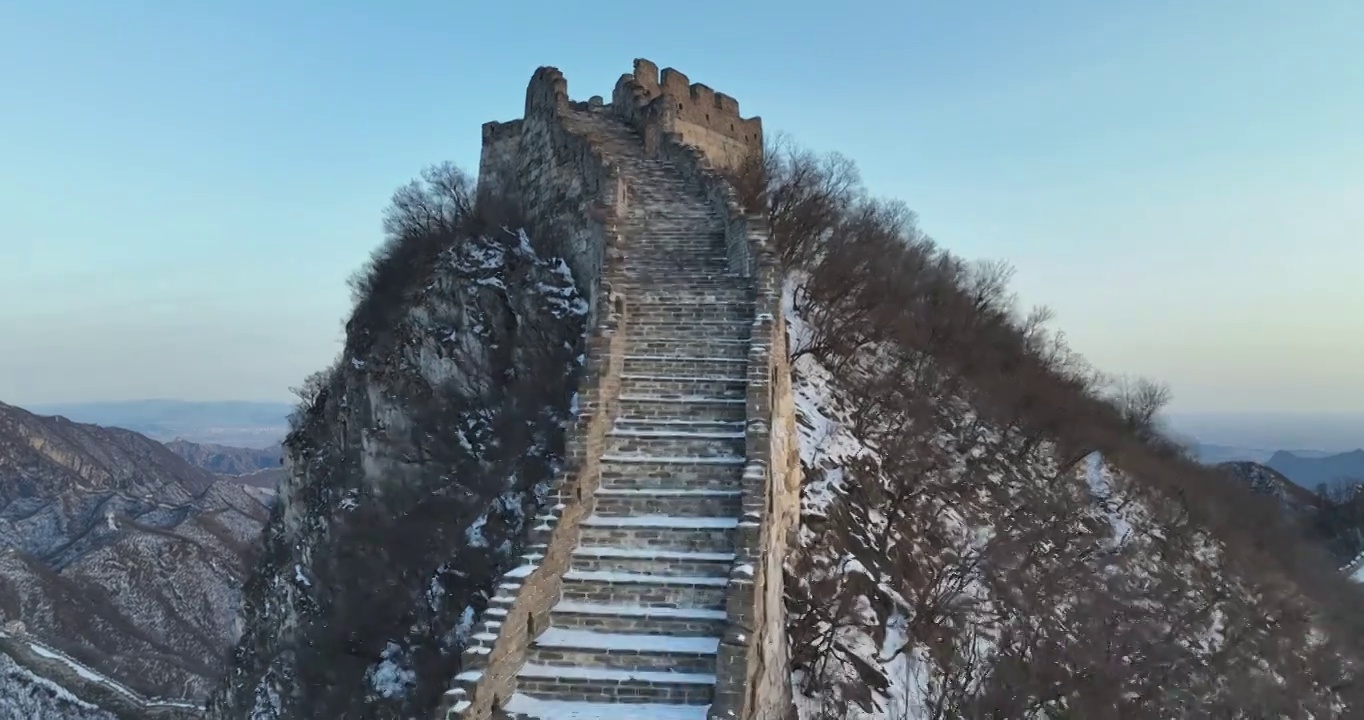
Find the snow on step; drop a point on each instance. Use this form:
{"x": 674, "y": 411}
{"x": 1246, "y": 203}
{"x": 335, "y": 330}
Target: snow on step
{"x": 639, "y": 611}
{"x": 673, "y": 460}
{"x": 565, "y": 710}
{"x": 558, "y": 672}
{"x": 662, "y": 521}
{"x": 650, "y": 554}
{"x": 614, "y": 576}
{"x": 739, "y": 435}
{"x": 688, "y": 378}
{"x": 686, "y": 358}
{"x": 666, "y": 492}
{"x": 593, "y": 640}
{"x": 684, "y": 399}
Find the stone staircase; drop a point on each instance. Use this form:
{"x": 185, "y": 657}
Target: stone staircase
{"x": 636, "y": 629}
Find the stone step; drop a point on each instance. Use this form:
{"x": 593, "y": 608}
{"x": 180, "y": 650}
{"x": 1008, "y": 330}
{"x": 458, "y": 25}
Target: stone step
{"x": 617, "y": 651}
{"x": 644, "y": 590}
{"x": 525, "y": 707}
{"x": 712, "y": 347}
{"x": 674, "y": 443}
{"x": 621, "y": 471}
{"x": 670, "y": 259}
{"x": 555, "y": 688}
{"x": 648, "y": 407}
{"x": 686, "y": 502}
{"x": 633, "y": 423}
{"x": 637, "y": 293}
{"x": 717, "y": 367}
{"x": 652, "y": 562}
{"x": 638, "y": 619}
{"x": 675, "y": 311}
{"x": 660, "y": 532}
{"x": 696, "y": 277}
{"x": 722, "y": 330}
{"x": 679, "y": 385}
{"x": 683, "y": 282}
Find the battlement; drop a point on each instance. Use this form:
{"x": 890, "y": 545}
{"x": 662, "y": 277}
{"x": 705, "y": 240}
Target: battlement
{"x": 668, "y": 102}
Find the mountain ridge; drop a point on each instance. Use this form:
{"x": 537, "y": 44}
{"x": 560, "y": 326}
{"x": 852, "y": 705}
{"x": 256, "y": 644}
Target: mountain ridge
{"x": 120, "y": 553}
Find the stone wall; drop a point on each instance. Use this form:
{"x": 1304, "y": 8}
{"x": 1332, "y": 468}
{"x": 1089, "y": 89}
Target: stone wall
{"x": 753, "y": 677}
{"x": 555, "y": 177}
{"x": 112, "y": 696}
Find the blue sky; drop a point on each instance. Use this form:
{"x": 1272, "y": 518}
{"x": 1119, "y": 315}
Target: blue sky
{"x": 186, "y": 186}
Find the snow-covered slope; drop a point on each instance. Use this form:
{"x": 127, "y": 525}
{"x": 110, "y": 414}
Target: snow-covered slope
{"x": 951, "y": 568}
{"x": 992, "y": 528}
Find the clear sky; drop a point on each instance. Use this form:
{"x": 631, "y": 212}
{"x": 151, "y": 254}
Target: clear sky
{"x": 185, "y": 186}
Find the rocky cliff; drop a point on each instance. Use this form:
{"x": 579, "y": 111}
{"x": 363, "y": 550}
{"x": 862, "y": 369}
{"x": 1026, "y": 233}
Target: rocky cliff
{"x": 415, "y": 465}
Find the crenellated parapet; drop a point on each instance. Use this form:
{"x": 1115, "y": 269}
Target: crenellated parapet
{"x": 667, "y": 102}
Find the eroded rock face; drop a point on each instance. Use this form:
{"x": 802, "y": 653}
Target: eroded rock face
{"x": 119, "y": 553}
{"x": 413, "y": 477}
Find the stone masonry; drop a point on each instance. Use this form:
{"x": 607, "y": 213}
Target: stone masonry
{"x": 653, "y": 588}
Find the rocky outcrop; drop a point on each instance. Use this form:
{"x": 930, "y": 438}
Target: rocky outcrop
{"x": 413, "y": 472}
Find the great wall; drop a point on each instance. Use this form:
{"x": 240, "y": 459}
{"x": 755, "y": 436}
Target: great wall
{"x": 90, "y": 687}
{"x": 653, "y": 588}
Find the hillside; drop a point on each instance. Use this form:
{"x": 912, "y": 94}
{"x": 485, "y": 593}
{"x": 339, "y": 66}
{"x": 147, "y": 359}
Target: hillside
{"x": 980, "y": 505}
{"x": 1265, "y": 480}
{"x": 225, "y": 459}
{"x": 120, "y": 554}
{"x": 414, "y": 466}
{"x": 238, "y": 424}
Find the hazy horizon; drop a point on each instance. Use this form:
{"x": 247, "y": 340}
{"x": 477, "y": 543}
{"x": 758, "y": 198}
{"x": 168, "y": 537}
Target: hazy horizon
{"x": 1328, "y": 433}
{"x": 189, "y": 186}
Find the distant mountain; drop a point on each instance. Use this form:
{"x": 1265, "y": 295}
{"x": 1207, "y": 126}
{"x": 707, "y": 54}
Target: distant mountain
{"x": 1335, "y": 522}
{"x": 121, "y": 555}
{"x": 1268, "y": 481}
{"x": 1214, "y": 454}
{"x": 1326, "y": 432}
{"x": 225, "y": 459}
{"x": 241, "y": 424}
{"x": 1331, "y": 470}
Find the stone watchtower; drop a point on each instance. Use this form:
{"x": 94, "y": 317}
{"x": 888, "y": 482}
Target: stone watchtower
{"x": 654, "y": 581}
{"x": 700, "y": 117}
